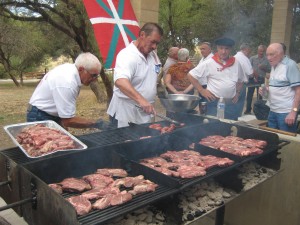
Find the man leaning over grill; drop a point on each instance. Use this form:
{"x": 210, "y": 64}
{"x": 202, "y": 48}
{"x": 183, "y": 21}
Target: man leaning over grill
{"x": 135, "y": 78}
{"x": 55, "y": 96}
{"x": 225, "y": 78}
{"x": 284, "y": 90}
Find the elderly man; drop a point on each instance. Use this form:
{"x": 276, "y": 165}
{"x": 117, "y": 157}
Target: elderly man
{"x": 171, "y": 60}
{"x": 135, "y": 78}
{"x": 243, "y": 57}
{"x": 205, "y": 49}
{"x": 225, "y": 78}
{"x": 55, "y": 96}
{"x": 261, "y": 67}
{"x": 284, "y": 90}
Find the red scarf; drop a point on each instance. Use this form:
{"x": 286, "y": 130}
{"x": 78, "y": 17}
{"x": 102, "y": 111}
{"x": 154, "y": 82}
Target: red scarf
{"x": 229, "y": 62}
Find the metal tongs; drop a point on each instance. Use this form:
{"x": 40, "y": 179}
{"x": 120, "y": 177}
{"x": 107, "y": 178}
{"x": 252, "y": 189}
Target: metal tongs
{"x": 164, "y": 117}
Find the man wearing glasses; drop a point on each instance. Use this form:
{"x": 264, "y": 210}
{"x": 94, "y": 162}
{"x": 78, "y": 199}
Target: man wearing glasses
{"x": 55, "y": 96}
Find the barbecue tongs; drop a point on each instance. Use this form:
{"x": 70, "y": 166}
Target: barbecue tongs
{"x": 164, "y": 117}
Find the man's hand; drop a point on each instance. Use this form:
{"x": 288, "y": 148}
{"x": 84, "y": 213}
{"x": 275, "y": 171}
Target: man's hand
{"x": 291, "y": 118}
{"x": 102, "y": 125}
{"x": 208, "y": 95}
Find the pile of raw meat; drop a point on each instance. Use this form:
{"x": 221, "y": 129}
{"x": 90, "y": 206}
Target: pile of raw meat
{"x": 38, "y": 140}
{"x": 234, "y": 145}
{"x": 107, "y": 187}
{"x": 184, "y": 163}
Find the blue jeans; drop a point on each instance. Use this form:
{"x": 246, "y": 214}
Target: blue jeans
{"x": 241, "y": 102}
{"x": 276, "y": 120}
{"x": 34, "y": 114}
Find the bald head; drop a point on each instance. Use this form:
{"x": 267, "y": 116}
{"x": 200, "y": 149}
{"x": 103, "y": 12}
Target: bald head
{"x": 275, "y": 53}
{"x": 173, "y": 52}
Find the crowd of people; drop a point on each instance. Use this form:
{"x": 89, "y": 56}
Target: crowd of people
{"x": 138, "y": 68}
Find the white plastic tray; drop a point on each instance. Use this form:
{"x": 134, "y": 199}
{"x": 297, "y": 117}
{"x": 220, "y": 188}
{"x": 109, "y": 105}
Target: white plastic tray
{"x": 14, "y": 129}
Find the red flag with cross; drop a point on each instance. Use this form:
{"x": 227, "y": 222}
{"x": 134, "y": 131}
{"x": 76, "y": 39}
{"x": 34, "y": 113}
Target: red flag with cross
{"x": 114, "y": 24}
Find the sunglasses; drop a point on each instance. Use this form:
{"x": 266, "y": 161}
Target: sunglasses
{"x": 94, "y": 75}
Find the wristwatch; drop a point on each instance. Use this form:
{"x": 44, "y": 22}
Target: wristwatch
{"x": 295, "y": 109}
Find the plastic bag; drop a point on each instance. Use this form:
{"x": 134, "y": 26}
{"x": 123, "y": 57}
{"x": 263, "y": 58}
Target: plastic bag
{"x": 261, "y": 110}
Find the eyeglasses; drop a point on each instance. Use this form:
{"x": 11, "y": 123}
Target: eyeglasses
{"x": 94, "y": 75}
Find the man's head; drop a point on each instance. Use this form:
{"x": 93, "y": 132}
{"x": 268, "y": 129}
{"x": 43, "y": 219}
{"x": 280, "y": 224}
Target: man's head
{"x": 88, "y": 66}
{"x": 261, "y": 50}
{"x": 205, "y": 49}
{"x": 275, "y": 53}
{"x": 173, "y": 52}
{"x": 183, "y": 55}
{"x": 224, "y": 46}
{"x": 149, "y": 37}
{"x": 246, "y": 49}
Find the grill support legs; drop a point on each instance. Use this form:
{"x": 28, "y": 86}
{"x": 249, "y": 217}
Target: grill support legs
{"x": 220, "y": 212}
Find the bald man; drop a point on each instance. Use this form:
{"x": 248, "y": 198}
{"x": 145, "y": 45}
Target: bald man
{"x": 171, "y": 60}
{"x": 284, "y": 89}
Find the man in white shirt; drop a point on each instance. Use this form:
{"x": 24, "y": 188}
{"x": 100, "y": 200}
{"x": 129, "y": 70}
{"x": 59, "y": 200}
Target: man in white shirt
{"x": 243, "y": 57}
{"x": 284, "y": 90}
{"x": 55, "y": 96}
{"x": 225, "y": 78}
{"x": 135, "y": 78}
{"x": 206, "y": 52}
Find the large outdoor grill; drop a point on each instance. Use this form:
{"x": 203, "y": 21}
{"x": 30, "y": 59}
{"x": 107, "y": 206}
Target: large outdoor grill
{"x": 30, "y": 177}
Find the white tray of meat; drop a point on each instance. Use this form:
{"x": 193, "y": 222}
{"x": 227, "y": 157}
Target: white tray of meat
{"x": 37, "y": 139}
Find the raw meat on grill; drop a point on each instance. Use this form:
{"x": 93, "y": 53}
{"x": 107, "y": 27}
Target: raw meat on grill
{"x": 56, "y": 187}
{"x": 120, "y": 198}
{"x": 81, "y": 204}
{"x": 164, "y": 129}
{"x": 38, "y": 140}
{"x": 97, "y": 193}
{"x": 112, "y": 172}
{"x": 98, "y": 180}
{"x": 74, "y": 185}
{"x": 184, "y": 163}
{"x": 128, "y": 181}
{"x": 144, "y": 186}
{"x": 235, "y": 145}
{"x": 103, "y": 202}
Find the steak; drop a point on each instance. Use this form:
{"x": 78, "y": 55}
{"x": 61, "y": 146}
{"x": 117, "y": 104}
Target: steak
{"x": 81, "y": 204}
{"x": 74, "y": 185}
{"x": 98, "y": 180}
{"x": 112, "y": 172}
{"x": 57, "y": 188}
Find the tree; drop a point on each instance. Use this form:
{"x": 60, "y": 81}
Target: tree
{"x": 66, "y": 16}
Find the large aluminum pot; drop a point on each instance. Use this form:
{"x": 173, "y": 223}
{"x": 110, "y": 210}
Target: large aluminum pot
{"x": 180, "y": 102}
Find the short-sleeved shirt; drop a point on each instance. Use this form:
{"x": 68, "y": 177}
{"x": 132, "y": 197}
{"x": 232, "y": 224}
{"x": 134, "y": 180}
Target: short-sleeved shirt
{"x": 222, "y": 83}
{"x": 245, "y": 63}
{"x": 282, "y": 78}
{"x": 204, "y": 81}
{"x": 257, "y": 61}
{"x": 142, "y": 73}
{"x": 57, "y": 92}
{"x": 178, "y": 74}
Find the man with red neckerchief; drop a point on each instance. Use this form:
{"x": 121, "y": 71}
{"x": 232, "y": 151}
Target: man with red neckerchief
{"x": 225, "y": 78}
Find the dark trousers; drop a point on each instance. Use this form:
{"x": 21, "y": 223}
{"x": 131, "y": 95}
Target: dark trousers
{"x": 250, "y": 93}
{"x": 35, "y": 114}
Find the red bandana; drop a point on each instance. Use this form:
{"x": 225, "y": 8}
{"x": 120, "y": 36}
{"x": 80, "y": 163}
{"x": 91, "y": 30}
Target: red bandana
{"x": 229, "y": 62}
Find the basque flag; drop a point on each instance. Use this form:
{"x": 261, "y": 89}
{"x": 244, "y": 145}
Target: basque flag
{"x": 115, "y": 26}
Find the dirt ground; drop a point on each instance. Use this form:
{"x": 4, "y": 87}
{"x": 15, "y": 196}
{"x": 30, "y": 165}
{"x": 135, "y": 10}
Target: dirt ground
{"x": 14, "y": 103}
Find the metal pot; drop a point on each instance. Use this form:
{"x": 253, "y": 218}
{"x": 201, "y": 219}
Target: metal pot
{"x": 180, "y": 102}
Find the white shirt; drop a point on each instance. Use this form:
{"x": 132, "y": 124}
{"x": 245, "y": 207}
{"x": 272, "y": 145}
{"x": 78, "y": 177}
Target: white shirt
{"x": 282, "y": 78}
{"x": 245, "y": 63}
{"x": 203, "y": 81}
{"x": 222, "y": 83}
{"x": 57, "y": 92}
{"x": 142, "y": 74}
